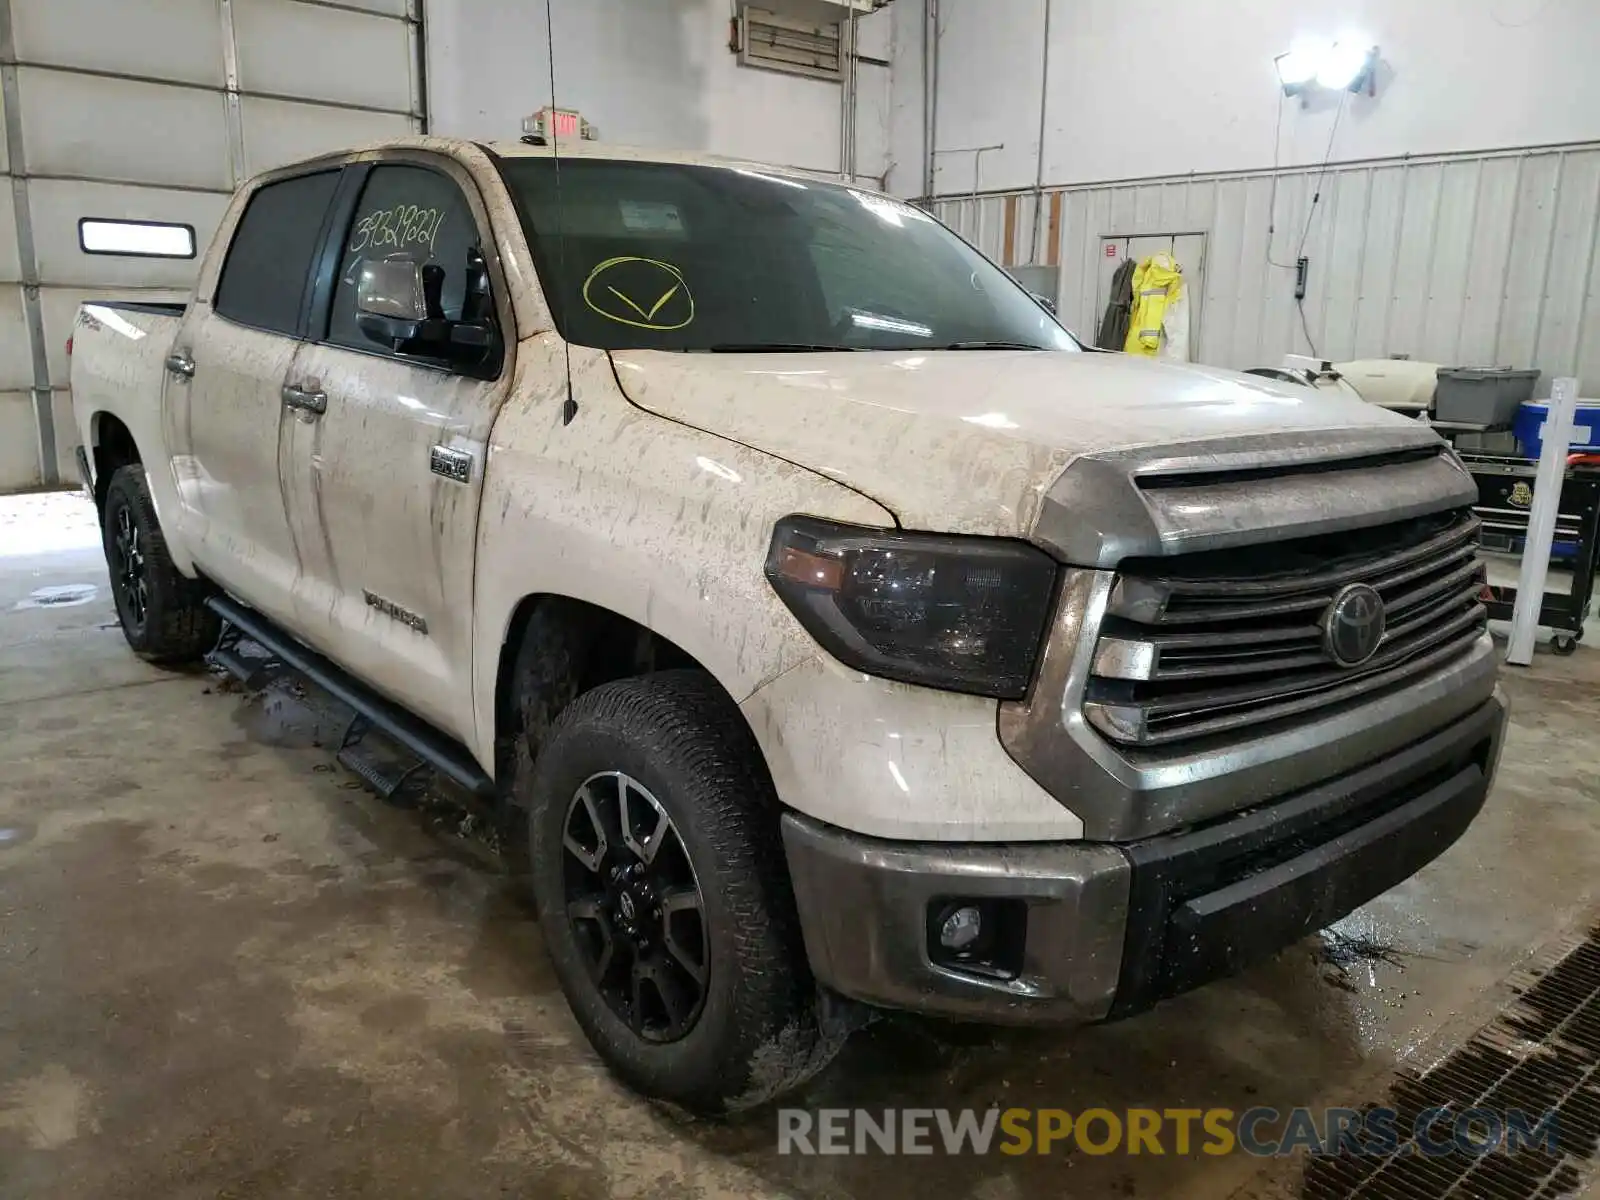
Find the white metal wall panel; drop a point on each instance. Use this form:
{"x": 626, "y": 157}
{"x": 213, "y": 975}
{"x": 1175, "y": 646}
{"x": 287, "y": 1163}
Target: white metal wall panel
{"x": 278, "y": 132}
{"x": 90, "y": 126}
{"x": 1379, "y": 266}
{"x": 389, "y": 8}
{"x": 58, "y": 203}
{"x": 1083, "y": 215}
{"x": 288, "y": 48}
{"x": 66, "y": 433}
{"x": 16, "y": 352}
{"x": 10, "y": 267}
{"x": 160, "y": 39}
{"x": 19, "y": 442}
{"x": 1228, "y": 257}
{"x": 1494, "y": 221}
{"x": 1531, "y": 244}
{"x": 1448, "y": 261}
{"x": 1473, "y": 260}
{"x": 129, "y": 109}
{"x": 1569, "y": 278}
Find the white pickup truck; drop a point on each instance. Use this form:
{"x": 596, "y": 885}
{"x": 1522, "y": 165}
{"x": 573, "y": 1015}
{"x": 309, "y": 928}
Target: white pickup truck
{"x": 835, "y": 630}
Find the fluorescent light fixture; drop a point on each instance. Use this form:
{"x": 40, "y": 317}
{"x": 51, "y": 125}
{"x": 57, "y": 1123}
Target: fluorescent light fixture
{"x": 1344, "y": 63}
{"x": 140, "y": 239}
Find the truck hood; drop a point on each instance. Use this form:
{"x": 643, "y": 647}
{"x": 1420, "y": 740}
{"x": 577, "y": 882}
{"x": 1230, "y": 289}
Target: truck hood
{"x": 971, "y": 441}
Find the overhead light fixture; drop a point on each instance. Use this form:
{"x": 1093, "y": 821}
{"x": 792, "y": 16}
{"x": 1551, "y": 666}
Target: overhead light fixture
{"x": 1343, "y": 65}
{"x": 1298, "y": 67}
{"x": 1346, "y": 65}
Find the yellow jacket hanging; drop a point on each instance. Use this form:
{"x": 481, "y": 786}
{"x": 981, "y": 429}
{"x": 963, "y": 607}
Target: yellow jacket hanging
{"x": 1159, "y": 323}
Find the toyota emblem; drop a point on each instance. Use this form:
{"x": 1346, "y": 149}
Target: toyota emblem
{"x": 1352, "y": 626}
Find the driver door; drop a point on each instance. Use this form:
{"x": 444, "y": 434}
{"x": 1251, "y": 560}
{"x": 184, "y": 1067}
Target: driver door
{"x": 385, "y": 469}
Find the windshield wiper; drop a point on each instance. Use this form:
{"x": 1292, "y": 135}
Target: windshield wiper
{"x": 774, "y": 348}
{"x": 991, "y": 346}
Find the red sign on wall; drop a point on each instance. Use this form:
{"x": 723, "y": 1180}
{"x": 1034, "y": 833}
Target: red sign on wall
{"x": 1111, "y": 249}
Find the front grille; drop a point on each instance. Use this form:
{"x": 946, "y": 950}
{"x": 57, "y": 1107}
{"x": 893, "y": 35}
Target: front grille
{"x": 1208, "y": 644}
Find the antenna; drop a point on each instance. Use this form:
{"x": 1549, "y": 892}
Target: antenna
{"x": 569, "y": 409}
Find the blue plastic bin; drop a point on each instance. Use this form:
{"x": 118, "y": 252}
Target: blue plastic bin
{"x": 1528, "y": 427}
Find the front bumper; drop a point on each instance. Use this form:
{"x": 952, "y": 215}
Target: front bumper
{"x": 1109, "y": 929}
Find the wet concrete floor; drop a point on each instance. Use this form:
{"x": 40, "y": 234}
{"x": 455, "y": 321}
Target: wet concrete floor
{"x": 228, "y": 971}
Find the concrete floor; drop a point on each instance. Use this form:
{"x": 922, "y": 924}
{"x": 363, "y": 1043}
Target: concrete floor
{"x": 226, "y": 970}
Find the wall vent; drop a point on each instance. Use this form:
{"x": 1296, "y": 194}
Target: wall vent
{"x": 794, "y": 45}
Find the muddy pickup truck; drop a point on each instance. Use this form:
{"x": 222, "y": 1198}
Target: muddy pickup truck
{"x": 835, "y": 631}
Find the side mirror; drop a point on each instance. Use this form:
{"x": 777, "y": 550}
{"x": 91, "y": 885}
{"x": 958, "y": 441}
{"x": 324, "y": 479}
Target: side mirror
{"x": 1044, "y": 302}
{"x": 391, "y": 304}
{"x": 398, "y": 306}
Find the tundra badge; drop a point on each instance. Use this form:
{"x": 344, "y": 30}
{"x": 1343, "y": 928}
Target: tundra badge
{"x": 390, "y": 609}
{"x": 452, "y": 464}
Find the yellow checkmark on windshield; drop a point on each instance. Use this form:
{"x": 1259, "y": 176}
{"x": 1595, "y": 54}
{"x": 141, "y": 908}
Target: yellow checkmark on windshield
{"x": 673, "y": 308}
{"x": 654, "y": 308}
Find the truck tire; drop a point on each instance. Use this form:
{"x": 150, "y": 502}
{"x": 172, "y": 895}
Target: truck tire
{"x": 655, "y": 853}
{"x": 163, "y": 614}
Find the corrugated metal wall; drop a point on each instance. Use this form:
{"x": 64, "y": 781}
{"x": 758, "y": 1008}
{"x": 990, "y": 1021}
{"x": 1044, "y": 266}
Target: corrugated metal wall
{"x": 154, "y": 110}
{"x": 1469, "y": 260}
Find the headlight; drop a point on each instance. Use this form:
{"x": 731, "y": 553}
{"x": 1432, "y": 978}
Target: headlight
{"x": 967, "y": 614}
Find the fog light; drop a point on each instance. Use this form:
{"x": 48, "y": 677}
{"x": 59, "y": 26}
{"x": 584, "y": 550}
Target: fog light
{"x": 977, "y": 936}
{"x": 961, "y": 928}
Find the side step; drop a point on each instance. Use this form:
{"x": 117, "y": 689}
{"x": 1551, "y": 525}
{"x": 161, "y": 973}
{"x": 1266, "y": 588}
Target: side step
{"x": 440, "y": 751}
{"x": 381, "y": 773}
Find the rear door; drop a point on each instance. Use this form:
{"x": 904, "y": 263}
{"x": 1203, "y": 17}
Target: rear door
{"x": 224, "y": 392}
{"x": 383, "y": 485}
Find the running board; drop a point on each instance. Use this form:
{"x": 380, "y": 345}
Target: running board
{"x": 440, "y": 751}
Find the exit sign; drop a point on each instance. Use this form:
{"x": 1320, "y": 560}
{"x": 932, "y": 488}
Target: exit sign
{"x": 550, "y": 123}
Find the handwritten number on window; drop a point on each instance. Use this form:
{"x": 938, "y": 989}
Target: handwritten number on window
{"x": 398, "y": 227}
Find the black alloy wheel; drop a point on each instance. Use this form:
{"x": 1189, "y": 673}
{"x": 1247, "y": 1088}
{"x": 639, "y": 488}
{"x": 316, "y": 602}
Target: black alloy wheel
{"x": 128, "y": 574}
{"x": 635, "y": 906}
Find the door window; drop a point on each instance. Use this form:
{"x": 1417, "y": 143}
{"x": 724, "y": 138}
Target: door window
{"x": 412, "y": 214}
{"x": 264, "y": 277}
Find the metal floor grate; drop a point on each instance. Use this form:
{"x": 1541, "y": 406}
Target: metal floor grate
{"x": 1541, "y": 1053}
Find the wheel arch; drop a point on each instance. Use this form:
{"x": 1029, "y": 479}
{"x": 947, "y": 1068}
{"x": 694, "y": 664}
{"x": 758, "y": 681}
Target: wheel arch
{"x": 556, "y": 647}
{"x": 111, "y": 445}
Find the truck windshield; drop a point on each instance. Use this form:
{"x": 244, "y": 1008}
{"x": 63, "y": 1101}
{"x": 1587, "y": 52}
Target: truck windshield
{"x": 666, "y": 256}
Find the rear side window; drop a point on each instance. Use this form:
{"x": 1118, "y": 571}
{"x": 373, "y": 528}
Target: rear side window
{"x": 264, "y": 276}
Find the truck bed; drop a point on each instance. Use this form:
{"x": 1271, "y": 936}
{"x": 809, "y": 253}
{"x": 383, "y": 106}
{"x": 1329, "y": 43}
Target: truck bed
{"x": 119, "y": 350}
{"x": 156, "y": 308}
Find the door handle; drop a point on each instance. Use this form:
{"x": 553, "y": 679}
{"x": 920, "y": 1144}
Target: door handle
{"x": 311, "y": 402}
{"x": 179, "y": 363}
